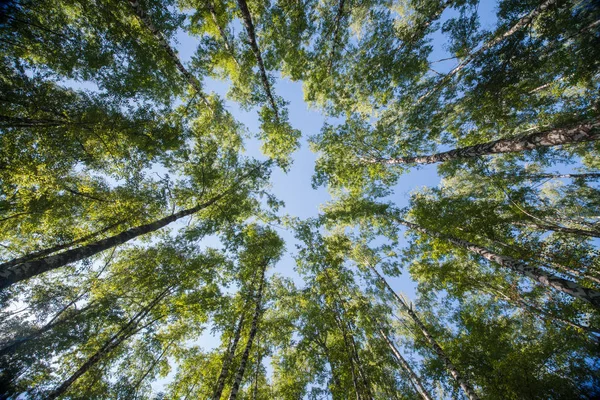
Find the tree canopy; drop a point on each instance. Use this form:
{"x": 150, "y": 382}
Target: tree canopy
{"x": 144, "y": 253}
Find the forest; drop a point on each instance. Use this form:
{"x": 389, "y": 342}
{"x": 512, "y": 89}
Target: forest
{"x": 156, "y": 241}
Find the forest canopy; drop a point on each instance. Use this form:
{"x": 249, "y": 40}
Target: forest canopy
{"x": 145, "y": 252}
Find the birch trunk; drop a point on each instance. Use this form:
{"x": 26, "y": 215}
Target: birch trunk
{"x": 56, "y": 248}
{"x": 521, "y": 23}
{"x": 583, "y": 132}
{"x": 520, "y": 302}
{"x": 249, "y": 25}
{"x": 228, "y": 359}
{"x": 589, "y": 175}
{"x": 113, "y": 342}
{"x": 253, "y": 329}
{"x": 462, "y": 381}
{"x": 573, "y": 289}
{"x": 335, "y": 40}
{"x": 13, "y": 345}
{"x": 563, "y": 229}
{"x": 147, "y": 22}
{"x": 17, "y": 273}
{"x": 414, "y": 378}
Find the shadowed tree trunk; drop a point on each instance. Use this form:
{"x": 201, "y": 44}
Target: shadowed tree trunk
{"x": 147, "y": 22}
{"x": 519, "y": 301}
{"x": 253, "y": 329}
{"x": 17, "y": 273}
{"x": 521, "y": 23}
{"x": 228, "y": 359}
{"x": 563, "y": 229}
{"x": 583, "y": 132}
{"x": 249, "y": 25}
{"x": 13, "y": 345}
{"x": 113, "y": 342}
{"x": 226, "y": 41}
{"x": 56, "y": 248}
{"x": 414, "y": 378}
{"x": 450, "y": 367}
{"x": 336, "y": 33}
{"x": 573, "y": 289}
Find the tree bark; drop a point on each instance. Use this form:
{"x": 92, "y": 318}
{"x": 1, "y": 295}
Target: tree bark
{"x": 589, "y": 175}
{"x": 563, "y": 229}
{"x": 414, "y": 378}
{"x": 228, "y": 359}
{"x": 17, "y": 273}
{"x": 228, "y": 45}
{"x": 519, "y": 301}
{"x": 462, "y": 381}
{"x": 249, "y": 25}
{"x": 56, "y": 248}
{"x": 13, "y": 345}
{"x": 336, "y": 33}
{"x": 421, "y": 28}
{"x": 253, "y": 329}
{"x": 521, "y": 23}
{"x": 147, "y": 22}
{"x": 573, "y": 289}
{"x": 113, "y": 342}
{"x": 583, "y": 132}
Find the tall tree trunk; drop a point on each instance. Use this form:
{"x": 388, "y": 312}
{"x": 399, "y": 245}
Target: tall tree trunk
{"x": 563, "y": 229}
{"x": 450, "y": 367}
{"x": 249, "y": 25}
{"x": 147, "y": 22}
{"x": 228, "y": 45}
{"x": 336, "y": 34}
{"x": 17, "y": 273}
{"x": 414, "y": 378}
{"x": 334, "y": 378}
{"x": 228, "y": 359}
{"x": 257, "y": 373}
{"x": 13, "y": 345}
{"x": 519, "y": 301}
{"x": 253, "y": 329}
{"x": 573, "y": 289}
{"x": 139, "y": 382}
{"x": 56, "y": 248}
{"x": 113, "y": 342}
{"x": 589, "y": 175}
{"x": 583, "y": 132}
{"x": 521, "y": 23}
{"x": 420, "y": 29}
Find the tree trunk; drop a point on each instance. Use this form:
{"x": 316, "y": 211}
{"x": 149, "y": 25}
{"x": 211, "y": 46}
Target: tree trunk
{"x": 147, "y": 22}
{"x": 521, "y": 23}
{"x": 56, "y": 248}
{"x": 519, "y": 301}
{"x": 417, "y": 34}
{"x": 228, "y": 359}
{"x": 334, "y": 378}
{"x": 573, "y": 289}
{"x": 113, "y": 342}
{"x": 13, "y": 345}
{"x": 14, "y": 274}
{"x": 253, "y": 329}
{"x": 558, "y": 228}
{"x": 462, "y": 382}
{"x": 228, "y": 45}
{"x": 139, "y": 382}
{"x": 589, "y": 175}
{"x": 336, "y": 33}
{"x": 584, "y": 132}
{"x": 249, "y": 25}
{"x": 414, "y": 378}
